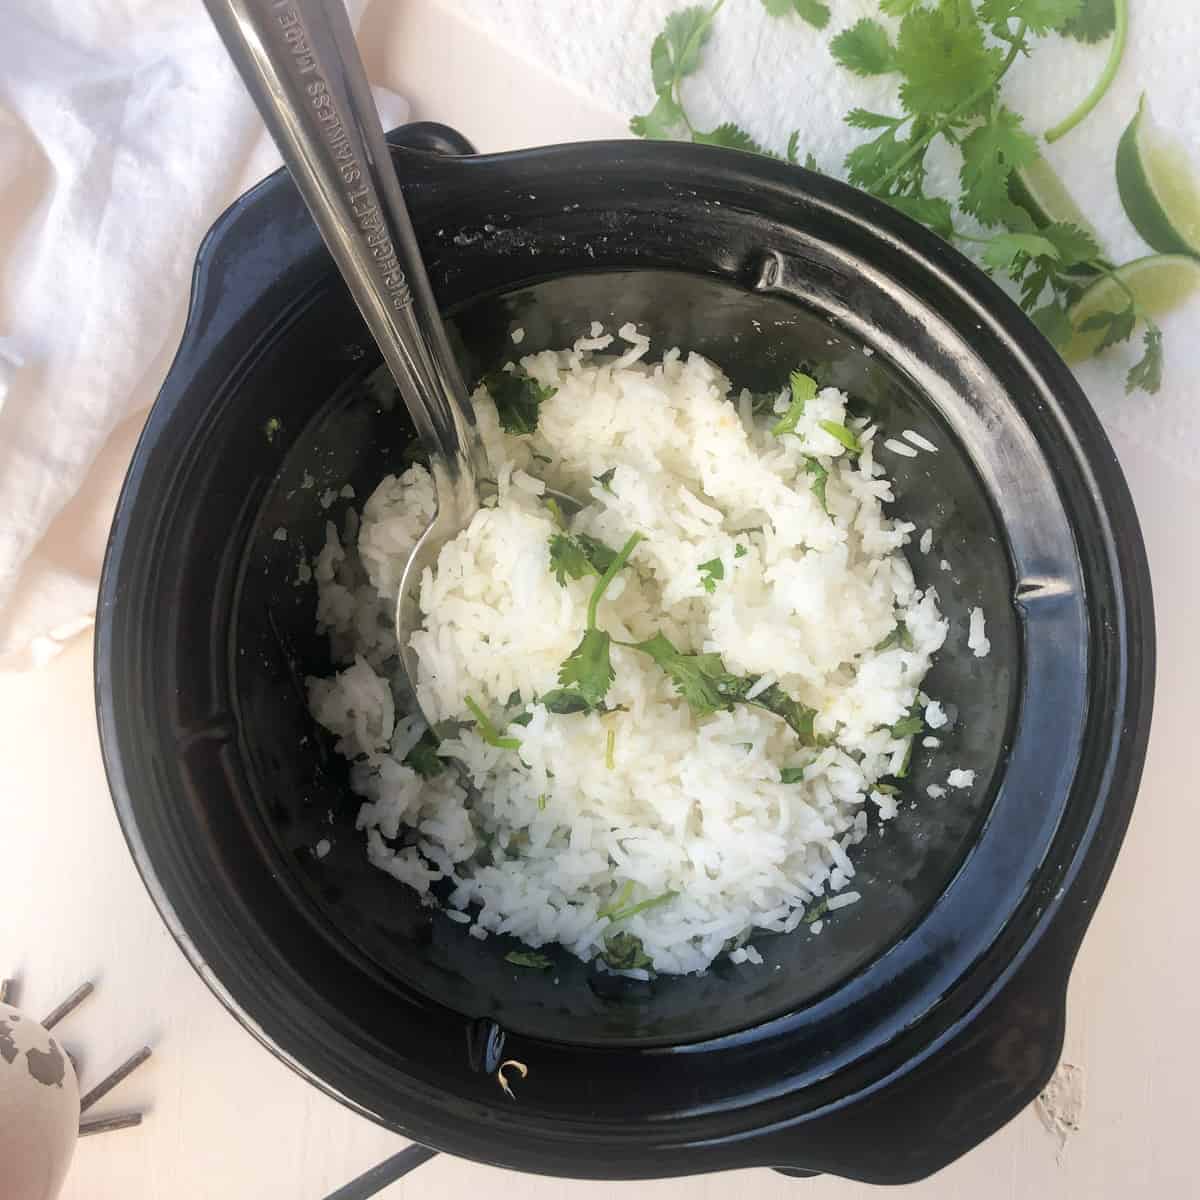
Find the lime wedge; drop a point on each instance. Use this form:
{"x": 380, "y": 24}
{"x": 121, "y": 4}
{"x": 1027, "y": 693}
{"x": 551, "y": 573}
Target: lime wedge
{"x": 1159, "y": 283}
{"x": 1159, "y": 187}
{"x": 1039, "y": 191}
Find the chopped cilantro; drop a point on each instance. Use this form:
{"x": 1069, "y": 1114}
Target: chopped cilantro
{"x": 568, "y": 559}
{"x": 528, "y": 958}
{"x": 898, "y": 637}
{"x": 792, "y": 775}
{"x": 623, "y": 914}
{"x": 554, "y": 510}
{"x": 804, "y": 388}
{"x": 625, "y": 952}
{"x": 909, "y": 725}
{"x": 701, "y": 679}
{"x": 488, "y": 731}
{"x": 622, "y": 899}
{"x": 710, "y": 572}
{"x": 605, "y": 478}
{"x": 740, "y": 551}
{"x": 708, "y": 686}
{"x": 565, "y": 701}
{"x": 842, "y": 434}
{"x": 517, "y": 398}
{"x": 799, "y": 716}
{"x": 577, "y": 555}
{"x": 589, "y": 665}
{"x": 423, "y": 757}
{"x": 820, "y": 477}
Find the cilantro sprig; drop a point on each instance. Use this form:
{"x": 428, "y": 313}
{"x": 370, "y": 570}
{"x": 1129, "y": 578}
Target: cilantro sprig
{"x": 948, "y": 59}
{"x": 709, "y": 686}
{"x": 588, "y": 669}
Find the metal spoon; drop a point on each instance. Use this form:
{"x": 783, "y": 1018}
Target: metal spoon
{"x": 300, "y": 63}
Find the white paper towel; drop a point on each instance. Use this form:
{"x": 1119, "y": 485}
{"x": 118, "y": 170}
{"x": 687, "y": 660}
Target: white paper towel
{"x": 124, "y": 131}
{"x": 773, "y": 75}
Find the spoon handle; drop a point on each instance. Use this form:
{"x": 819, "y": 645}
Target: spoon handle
{"x": 301, "y": 66}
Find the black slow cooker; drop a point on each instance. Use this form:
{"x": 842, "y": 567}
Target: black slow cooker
{"x": 920, "y": 1019}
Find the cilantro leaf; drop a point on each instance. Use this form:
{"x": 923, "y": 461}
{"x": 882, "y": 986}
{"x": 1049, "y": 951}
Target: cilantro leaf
{"x": 799, "y": 716}
{"x": 623, "y": 914}
{"x": 841, "y": 434}
{"x": 424, "y": 758}
{"x": 663, "y": 123}
{"x": 577, "y": 555}
{"x": 804, "y": 388}
{"x": 528, "y": 958}
{"x": 815, "y": 12}
{"x": 701, "y": 679}
{"x": 1074, "y": 245}
{"x": 1055, "y": 324}
{"x": 598, "y": 554}
{"x": 816, "y": 911}
{"x": 1041, "y": 16}
{"x": 1095, "y": 20}
{"x": 942, "y": 58}
{"x": 909, "y": 725}
{"x": 624, "y": 952}
{"x": 517, "y": 399}
{"x": 683, "y": 37}
{"x": 567, "y": 559}
{"x": 711, "y": 572}
{"x": 990, "y": 154}
{"x": 565, "y": 701}
{"x": 791, "y": 775}
{"x": 820, "y": 477}
{"x": 862, "y": 118}
{"x": 731, "y": 137}
{"x": 1008, "y": 251}
{"x": 898, "y": 637}
{"x": 589, "y": 667}
{"x": 872, "y": 163}
{"x": 932, "y": 211}
{"x": 865, "y": 49}
{"x": 1146, "y": 373}
{"x": 793, "y": 147}
{"x": 740, "y": 551}
{"x": 488, "y": 731}
{"x": 674, "y": 54}
{"x": 897, "y": 8}
{"x": 605, "y": 478}
{"x": 1116, "y": 326}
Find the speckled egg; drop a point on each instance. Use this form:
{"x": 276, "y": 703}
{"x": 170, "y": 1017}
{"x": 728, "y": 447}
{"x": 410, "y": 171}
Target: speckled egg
{"x": 39, "y": 1109}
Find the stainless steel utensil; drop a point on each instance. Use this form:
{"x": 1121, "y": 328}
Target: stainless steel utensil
{"x": 300, "y": 63}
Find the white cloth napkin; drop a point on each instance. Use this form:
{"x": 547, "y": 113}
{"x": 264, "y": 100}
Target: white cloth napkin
{"x": 774, "y": 75}
{"x": 124, "y": 131}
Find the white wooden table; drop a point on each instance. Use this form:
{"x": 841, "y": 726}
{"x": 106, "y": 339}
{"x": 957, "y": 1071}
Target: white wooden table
{"x": 225, "y": 1119}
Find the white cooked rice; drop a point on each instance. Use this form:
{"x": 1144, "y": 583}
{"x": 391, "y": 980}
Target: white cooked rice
{"x": 922, "y": 443}
{"x": 977, "y": 639}
{"x": 694, "y": 807}
{"x": 901, "y": 448}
